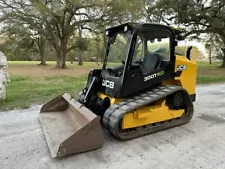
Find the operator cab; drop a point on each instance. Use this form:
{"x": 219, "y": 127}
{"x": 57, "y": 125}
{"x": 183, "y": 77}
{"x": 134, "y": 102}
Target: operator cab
{"x": 138, "y": 56}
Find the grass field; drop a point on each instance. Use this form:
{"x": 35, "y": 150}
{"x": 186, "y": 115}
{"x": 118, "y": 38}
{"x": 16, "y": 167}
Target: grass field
{"x": 210, "y": 73}
{"x": 34, "y": 84}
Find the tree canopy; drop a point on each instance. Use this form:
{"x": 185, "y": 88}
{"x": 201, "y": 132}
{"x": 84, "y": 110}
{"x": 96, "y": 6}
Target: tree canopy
{"x": 57, "y": 21}
{"x": 72, "y": 27}
{"x": 195, "y": 17}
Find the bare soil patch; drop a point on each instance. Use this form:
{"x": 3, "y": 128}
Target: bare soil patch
{"x": 213, "y": 71}
{"x": 40, "y": 71}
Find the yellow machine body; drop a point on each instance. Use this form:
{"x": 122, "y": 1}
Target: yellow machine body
{"x": 187, "y": 79}
{"x": 160, "y": 111}
{"x": 150, "y": 115}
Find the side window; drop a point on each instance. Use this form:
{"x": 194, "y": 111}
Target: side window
{"x": 138, "y": 52}
{"x": 160, "y": 46}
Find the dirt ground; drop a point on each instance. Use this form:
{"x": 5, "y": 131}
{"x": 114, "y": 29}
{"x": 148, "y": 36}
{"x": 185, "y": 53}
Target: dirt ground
{"x": 215, "y": 71}
{"x": 199, "y": 144}
{"x": 33, "y": 70}
{"x": 50, "y": 70}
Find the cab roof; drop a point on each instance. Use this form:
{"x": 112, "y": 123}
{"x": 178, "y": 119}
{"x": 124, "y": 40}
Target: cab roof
{"x": 133, "y": 26}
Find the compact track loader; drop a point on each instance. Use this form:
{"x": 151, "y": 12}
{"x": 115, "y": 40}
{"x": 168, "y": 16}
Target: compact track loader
{"x": 143, "y": 87}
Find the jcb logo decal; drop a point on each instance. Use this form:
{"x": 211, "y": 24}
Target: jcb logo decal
{"x": 181, "y": 67}
{"x": 108, "y": 83}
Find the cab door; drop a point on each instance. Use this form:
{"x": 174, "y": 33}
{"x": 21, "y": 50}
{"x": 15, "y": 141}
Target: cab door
{"x": 151, "y": 61}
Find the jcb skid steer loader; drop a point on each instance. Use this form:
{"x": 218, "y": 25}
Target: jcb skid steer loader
{"x": 143, "y": 87}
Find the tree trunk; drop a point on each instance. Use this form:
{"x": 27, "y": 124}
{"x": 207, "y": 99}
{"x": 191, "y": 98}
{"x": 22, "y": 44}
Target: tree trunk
{"x": 81, "y": 52}
{"x": 223, "y": 63}
{"x": 61, "y": 60}
{"x": 210, "y": 54}
{"x": 59, "y": 63}
{"x": 61, "y": 54}
{"x": 222, "y": 36}
{"x": 42, "y": 54}
{"x": 97, "y": 60}
{"x": 80, "y": 58}
{"x": 41, "y": 46}
{"x": 71, "y": 58}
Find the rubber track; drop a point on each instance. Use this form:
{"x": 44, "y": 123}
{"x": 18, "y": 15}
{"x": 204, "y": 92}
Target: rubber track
{"x": 115, "y": 113}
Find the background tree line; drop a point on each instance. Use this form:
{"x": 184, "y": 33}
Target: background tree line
{"x": 73, "y": 30}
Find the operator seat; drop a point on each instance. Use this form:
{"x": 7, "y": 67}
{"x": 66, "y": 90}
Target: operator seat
{"x": 150, "y": 62}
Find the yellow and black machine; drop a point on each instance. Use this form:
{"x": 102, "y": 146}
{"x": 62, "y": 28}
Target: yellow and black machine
{"x": 143, "y": 87}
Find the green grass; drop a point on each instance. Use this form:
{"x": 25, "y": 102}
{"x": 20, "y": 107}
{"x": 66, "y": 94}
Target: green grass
{"x": 25, "y": 90}
{"x": 206, "y": 64}
{"x": 203, "y": 79}
{"x": 210, "y": 73}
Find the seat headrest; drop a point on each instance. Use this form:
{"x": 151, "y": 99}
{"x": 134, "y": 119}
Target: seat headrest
{"x": 151, "y": 62}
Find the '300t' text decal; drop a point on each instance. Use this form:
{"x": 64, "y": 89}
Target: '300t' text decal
{"x": 152, "y": 76}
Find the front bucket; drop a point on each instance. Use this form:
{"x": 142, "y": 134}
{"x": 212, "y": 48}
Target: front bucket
{"x": 69, "y": 127}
